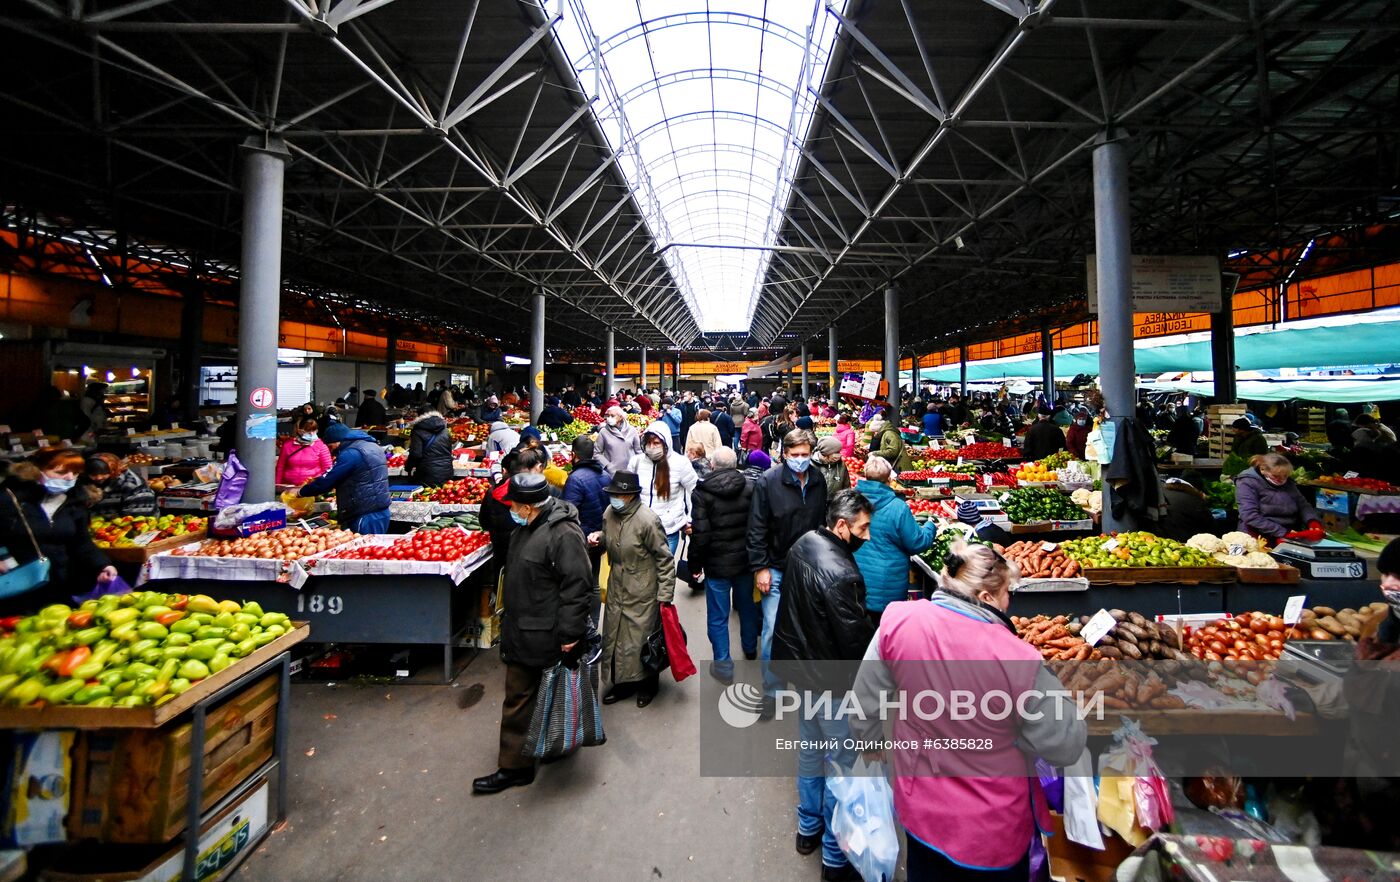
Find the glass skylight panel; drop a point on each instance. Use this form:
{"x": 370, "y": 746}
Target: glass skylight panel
{"x": 700, "y": 98}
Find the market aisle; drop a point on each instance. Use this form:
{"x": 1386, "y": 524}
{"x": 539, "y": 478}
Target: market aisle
{"x": 387, "y": 793}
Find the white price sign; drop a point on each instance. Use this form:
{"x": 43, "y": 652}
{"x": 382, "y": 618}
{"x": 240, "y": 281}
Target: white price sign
{"x": 1110, "y": 545}
{"x": 1097, "y": 627}
{"x": 1048, "y": 547}
{"x": 1293, "y": 609}
{"x": 1236, "y": 550}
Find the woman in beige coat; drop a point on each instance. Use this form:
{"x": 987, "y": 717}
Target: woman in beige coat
{"x": 642, "y": 576}
{"x": 705, "y": 433}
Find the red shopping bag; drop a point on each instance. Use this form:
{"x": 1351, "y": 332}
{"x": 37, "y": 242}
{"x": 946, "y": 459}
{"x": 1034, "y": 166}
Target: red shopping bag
{"x": 681, "y": 665}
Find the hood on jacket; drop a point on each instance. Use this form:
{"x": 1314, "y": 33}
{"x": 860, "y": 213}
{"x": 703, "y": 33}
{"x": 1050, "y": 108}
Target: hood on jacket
{"x": 498, "y": 425}
{"x": 1252, "y": 475}
{"x": 430, "y": 420}
{"x": 661, "y": 431}
{"x": 556, "y": 510}
{"x": 880, "y": 495}
{"x": 724, "y": 483}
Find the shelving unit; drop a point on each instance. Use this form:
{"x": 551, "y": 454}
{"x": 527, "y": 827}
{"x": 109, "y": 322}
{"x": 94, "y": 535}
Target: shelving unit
{"x": 129, "y": 401}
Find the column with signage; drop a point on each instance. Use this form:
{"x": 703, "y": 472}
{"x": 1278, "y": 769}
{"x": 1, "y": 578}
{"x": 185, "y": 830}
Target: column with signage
{"x": 259, "y": 294}
{"x": 833, "y": 368}
{"x": 537, "y": 357}
{"x": 643, "y": 383}
{"x": 609, "y": 365}
{"x": 1113, "y": 282}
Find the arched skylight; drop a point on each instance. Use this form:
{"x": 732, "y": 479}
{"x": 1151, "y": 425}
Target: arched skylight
{"x": 707, "y": 103}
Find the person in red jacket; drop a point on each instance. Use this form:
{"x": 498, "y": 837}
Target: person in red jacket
{"x": 303, "y": 456}
{"x": 1077, "y": 435}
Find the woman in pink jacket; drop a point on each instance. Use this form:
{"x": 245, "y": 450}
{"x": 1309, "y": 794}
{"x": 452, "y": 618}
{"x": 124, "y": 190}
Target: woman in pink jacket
{"x": 304, "y": 455}
{"x": 846, "y": 435}
{"x": 750, "y": 435}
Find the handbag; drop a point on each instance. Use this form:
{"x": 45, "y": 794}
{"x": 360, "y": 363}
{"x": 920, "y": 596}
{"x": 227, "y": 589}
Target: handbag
{"x": 568, "y": 713}
{"x": 683, "y": 571}
{"x": 31, "y": 575}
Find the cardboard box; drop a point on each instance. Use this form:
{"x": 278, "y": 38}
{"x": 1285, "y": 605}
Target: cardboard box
{"x": 222, "y": 842}
{"x": 1072, "y": 862}
{"x": 131, "y": 785}
{"x": 488, "y": 632}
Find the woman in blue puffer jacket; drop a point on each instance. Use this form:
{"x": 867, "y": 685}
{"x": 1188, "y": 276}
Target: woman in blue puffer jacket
{"x": 894, "y": 536}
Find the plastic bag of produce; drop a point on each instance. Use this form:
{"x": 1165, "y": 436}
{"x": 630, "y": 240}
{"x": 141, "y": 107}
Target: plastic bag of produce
{"x": 863, "y": 819}
{"x": 102, "y": 589}
{"x": 568, "y": 713}
{"x": 231, "y": 483}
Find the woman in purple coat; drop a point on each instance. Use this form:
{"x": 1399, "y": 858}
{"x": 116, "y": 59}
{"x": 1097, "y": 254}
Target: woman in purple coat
{"x": 1270, "y": 503}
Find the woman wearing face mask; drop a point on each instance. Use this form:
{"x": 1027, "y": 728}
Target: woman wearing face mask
{"x": 430, "y": 446}
{"x": 617, "y": 441}
{"x": 1270, "y": 503}
{"x": 667, "y": 479}
{"x": 123, "y": 491}
{"x": 642, "y": 576}
{"x": 42, "y": 498}
{"x": 1077, "y": 435}
{"x": 947, "y": 813}
{"x": 303, "y": 456}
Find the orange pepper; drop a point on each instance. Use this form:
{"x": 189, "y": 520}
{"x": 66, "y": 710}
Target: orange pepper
{"x": 169, "y": 618}
{"x": 79, "y": 655}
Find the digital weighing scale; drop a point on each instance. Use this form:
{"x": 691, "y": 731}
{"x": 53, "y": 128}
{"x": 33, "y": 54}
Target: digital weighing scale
{"x": 1326, "y": 559}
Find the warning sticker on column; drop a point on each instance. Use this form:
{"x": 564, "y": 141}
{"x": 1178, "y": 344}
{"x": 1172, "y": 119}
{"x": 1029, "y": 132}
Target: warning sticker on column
{"x": 260, "y": 397}
{"x": 261, "y": 427}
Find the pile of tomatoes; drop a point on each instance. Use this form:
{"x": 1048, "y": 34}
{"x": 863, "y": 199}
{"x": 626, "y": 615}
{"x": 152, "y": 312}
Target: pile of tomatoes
{"x": 989, "y": 450}
{"x": 1373, "y": 485}
{"x": 564, "y": 462}
{"x": 443, "y": 546}
{"x": 1252, "y": 636}
{"x": 587, "y": 415}
{"x": 935, "y": 454}
{"x": 463, "y": 491}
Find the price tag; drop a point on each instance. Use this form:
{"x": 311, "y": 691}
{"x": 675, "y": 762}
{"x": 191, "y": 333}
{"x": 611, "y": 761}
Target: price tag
{"x": 1350, "y": 475}
{"x": 1097, "y": 627}
{"x": 16, "y": 447}
{"x": 960, "y": 462}
{"x": 65, "y": 443}
{"x": 145, "y": 538}
{"x": 1005, "y": 497}
{"x": 38, "y": 433}
{"x": 969, "y": 439}
{"x": 1110, "y": 545}
{"x": 43, "y": 442}
{"x": 130, "y": 431}
{"x": 1048, "y": 547}
{"x": 4, "y": 430}
{"x": 1293, "y": 609}
{"x": 1235, "y": 550}
{"x": 174, "y": 425}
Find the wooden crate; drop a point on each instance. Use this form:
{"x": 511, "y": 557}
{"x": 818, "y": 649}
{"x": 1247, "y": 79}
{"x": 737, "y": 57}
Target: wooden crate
{"x": 131, "y": 785}
{"x": 139, "y": 554}
{"x": 1144, "y": 575}
{"x": 1284, "y": 575}
{"x": 69, "y": 716}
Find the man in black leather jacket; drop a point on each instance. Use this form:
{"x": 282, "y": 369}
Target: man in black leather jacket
{"x": 821, "y": 620}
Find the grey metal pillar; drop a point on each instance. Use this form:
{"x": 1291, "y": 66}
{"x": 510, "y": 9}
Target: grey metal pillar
{"x": 1113, "y": 264}
{"x": 537, "y": 358}
{"x": 391, "y": 365}
{"x": 259, "y": 296}
{"x": 191, "y": 340}
{"x": 914, "y": 373}
{"x": 1047, "y": 362}
{"x": 678, "y": 372}
{"x": 962, "y": 360}
{"x": 892, "y": 349}
{"x": 1222, "y": 353}
{"x": 802, "y": 353}
{"x": 834, "y": 368}
{"x": 644, "y": 366}
{"x": 609, "y": 365}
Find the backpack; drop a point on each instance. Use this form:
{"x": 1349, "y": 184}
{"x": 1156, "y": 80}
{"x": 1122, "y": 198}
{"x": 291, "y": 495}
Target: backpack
{"x": 769, "y": 426}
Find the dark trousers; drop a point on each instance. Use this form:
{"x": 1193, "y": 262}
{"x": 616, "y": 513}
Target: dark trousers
{"x": 522, "y": 685}
{"x": 927, "y": 865}
{"x": 595, "y": 557}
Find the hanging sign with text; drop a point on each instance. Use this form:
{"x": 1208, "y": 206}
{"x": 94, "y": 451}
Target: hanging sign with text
{"x": 1167, "y": 283}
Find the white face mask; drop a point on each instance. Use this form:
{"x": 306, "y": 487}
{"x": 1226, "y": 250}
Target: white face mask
{"x": 655, "y": 453}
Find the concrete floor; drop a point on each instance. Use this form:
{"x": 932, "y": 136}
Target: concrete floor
{"x": 380, "y": 789}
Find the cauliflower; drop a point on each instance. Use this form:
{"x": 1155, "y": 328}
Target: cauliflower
{"x": 1232, "y": 560}
{"x": 1080, "y": 497}
{"x": 1259, "y": 560}
{"x": 1206, "y": 542}
{"x": 1238, "y": 538}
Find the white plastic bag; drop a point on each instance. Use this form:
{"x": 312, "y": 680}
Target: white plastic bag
{"x": 863, "y": 819}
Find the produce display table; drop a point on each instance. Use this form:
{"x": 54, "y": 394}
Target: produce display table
{"x": 1336, "y": 593}
{"x": 1153, "y": 597}
{"x": 1194, "y": 721}
{"x": 198, "y": 701}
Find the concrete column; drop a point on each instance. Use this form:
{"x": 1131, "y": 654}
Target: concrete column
{"x": 1047, "y": 362}
{"x": 914, "y": 373}
{"x": 834, "y": 368}
{"x": 537, "y": 357}
{"x": 610, "y": 365}
{"x": 391, "y": 365}
{"x": 802, "y": 353}
{"x": 677, "y": 377}
{"x": 191, "y": 340}
{"x": 1113, "y": 264}
{"x": 892, "y": 349}
{"x": 1222, "y": 353}
{"x": 962, "y": 359}
{"x": 259, "y": 296}
{"x": 644, "y": 366}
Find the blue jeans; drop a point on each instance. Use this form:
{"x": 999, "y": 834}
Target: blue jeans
{"x": 374, "y": 522}
{"x": 717, "y": 605}
{"x": 771, "y": 683}
{"x": 815, "y": 801}
{"x": 672, "y": 540}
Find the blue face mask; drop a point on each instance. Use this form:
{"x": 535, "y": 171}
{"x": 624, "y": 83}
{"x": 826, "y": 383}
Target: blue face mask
{"x": 617, "y": 503}
{"x": 518, "y": 519}
{"x": 309, "y": 437}
{"x": 799, "y": 464}
{"x": 59, "y": 485}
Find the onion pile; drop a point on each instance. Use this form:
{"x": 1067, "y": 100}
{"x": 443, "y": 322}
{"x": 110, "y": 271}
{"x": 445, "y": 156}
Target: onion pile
{"x": 286, "y": 544}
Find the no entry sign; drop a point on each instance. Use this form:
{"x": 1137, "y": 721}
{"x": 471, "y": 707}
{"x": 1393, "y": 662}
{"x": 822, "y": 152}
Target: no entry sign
{"x": 260, "y": 397}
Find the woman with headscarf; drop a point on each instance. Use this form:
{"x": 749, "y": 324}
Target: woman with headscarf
{"x": 704, "y": 433}
{"x": 123, "y": 491}
{"x": 1077, "y": 435}
{"x": 832, "y": 464}
{"x": 617, "y": 441}
{"x": 667, "y": 480}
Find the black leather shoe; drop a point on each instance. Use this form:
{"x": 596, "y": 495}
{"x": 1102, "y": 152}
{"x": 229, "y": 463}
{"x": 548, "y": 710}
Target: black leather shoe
{"x": 616, "y": 694}
{"x": 644, "y": 698}
{"x": 503, "y": 779}
{"x": 843, "y": 873}
{"x": 750, "y": 655}
{"x": 808, "y": 844}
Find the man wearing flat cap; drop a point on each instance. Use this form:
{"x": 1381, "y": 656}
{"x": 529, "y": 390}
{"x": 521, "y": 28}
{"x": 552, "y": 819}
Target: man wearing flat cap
{"x": 547, "y": 592}
{"x": 1043, "y": 437}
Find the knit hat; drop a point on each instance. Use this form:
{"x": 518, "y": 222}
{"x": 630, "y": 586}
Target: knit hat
{"x": 968, "y": 512}
{"x": 760, "y": 459}
{"x": 1045, "y": 410}
{"x": 335, "y": 433}
{"x": 529, "y": 488}
{"x": 828, "y": 446}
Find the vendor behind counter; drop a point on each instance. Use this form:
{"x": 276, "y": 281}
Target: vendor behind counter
{"x": 123, "y": 492}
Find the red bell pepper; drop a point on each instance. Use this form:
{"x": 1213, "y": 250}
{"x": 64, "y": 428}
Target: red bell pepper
{"x": 80, "y": 619}
{"x": 74, "y": 658}
{"x": 169, "y": 618}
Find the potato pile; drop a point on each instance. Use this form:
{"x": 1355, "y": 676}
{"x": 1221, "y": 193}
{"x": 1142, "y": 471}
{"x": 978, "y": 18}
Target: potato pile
{"x": 1056, "y": 638}
{"x": 1136, "y": 637}
{"x": 1037, "y": 563}
{"x": 1326, "y": 623}
{"x": 1129, "y": 685}
{"x": 285, "y": 544}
